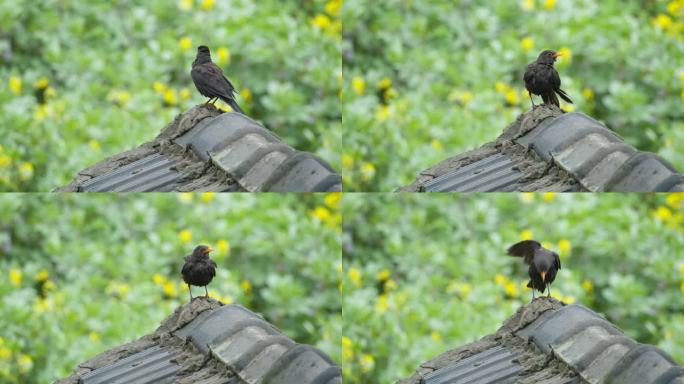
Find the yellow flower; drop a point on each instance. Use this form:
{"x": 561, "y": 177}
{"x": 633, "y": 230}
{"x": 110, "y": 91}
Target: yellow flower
{"x": 367, "y": 362}
{"x": 185, "y": 5}
{"x": 588, "y": 94}
{"x": 207, "y": 196}
{"x": 15, "y": 277}
{"x": 526, "y": 197}
{"x": 526, "y": 235}
{"x": 15, "y": 85}
{"x": 500, "y": 279}
{"x": 159, "y": 87}
{"x": 170, "y": 97}
{"x": 321, "y": 213}
{"x": 185, "y": 43}
{"x": 383, "y": 113}
{"x": 226, "y": 299}
{"x": 170, "y": 289}
{"x": 347, "y": 161}
{"x": 355, "y": 276}
{"x": 511, "y": 289}
{"x": 564, "y": 246}
{"x": 382, "y": 304}
{"x": 512, "y": 97}
{"x": 207, "y": 4}
{"x": 358, "y": 85}
{"x": 567, "y": 299}
{"x": 566, "y": 54}
{"x": 42, "y": 112}
{"x": 527, "y": 43}
{"x": 94, "y": 337}
{"x": 663, "y": 213}
{"x": 94, "y": 145}
{"x": 681, "y": 268}
{"x": 390, "y": 285}
{"x": 383, "y": 274}
{"x": 321, "y": 21}
{"x": 549, "y": 4}
{"x": 587, "y": 285}
{"x": 49, "y": 285}
{"x": 246, "y": 94}
{"x": 436, "y": 336}
{"x": 42, "y": 275}
{"x": 5, "y": 353}
{"x": 347, "y": 348}
{"x": 527, "y": 5}
{"x": 663, "y": 21}
{"x": 465, "y": 97}
{"x": 385, "y": 83}
{"x": 501, "y": 87}
{"x": 246, "y": 286}
{"x": 674, "y": 199}
{"x": 568, "y": 107}
{"x": 25, "y": 363}
{"x": 223, "y": 55}
{"x": 185, "y": 94}
{"x": 25, "y": 170}
{"x": 50, "y": 92}
{"x": 185, "y": 236}
{"x": 223, "y": 246}
{"x": 333, "y": 7}
{"x": 333, "y": 199}
{"x": 158, "y": 279}
{"x": 675, "y": 7}
{"x": 367, "y": 170}
{"x": 42, "y": 83}
{"x": 185, "y": 197}
{"x": 464, "y": 289}
{"x": 548, "y": 196}
{"x": 437, "y": 145}
{"x": 119, "y": 97}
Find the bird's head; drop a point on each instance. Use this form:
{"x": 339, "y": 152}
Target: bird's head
{"x": 203, "y": 49}
{"x": 202, "y": 250}
{"x": 548, "y": 57}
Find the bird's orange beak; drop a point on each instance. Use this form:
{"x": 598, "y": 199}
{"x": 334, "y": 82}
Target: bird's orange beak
{"x": 543, "y": 273}
{"x": 210, "y": 249}
{"x": 557, "y": 54}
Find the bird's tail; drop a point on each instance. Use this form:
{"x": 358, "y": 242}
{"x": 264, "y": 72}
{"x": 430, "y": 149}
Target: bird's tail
{"x": 564, "y": 95}
{"x": 550, "y": 98}
{"x": 233, "y": 104}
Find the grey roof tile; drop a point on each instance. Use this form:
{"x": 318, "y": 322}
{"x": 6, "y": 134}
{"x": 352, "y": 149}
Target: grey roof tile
{"x": 151, "y": 173}
{"x": 228, "y": 344}
{"x": 547, "y": 341}
{"x": 492, "y": 366}
{"x": 152, "y": 365}
{"x": 243, "y": 156}
{"x": 553, "y": 151}
{"x": 493, "y": 173}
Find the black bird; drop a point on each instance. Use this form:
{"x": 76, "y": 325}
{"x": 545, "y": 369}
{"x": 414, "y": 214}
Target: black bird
{"x": 199, "y": 269}
{"x": 543, "y": 80}
{"x": 543, "y": 264}
{"x": 210, "y": 80}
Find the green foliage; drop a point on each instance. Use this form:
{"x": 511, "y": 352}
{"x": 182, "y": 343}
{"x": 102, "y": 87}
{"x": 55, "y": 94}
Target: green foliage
{"x": 80, "y": 81}
{"x": 454, "y": 76}
{"x": 81, "y": 274}
{"x": 428, "y": 273}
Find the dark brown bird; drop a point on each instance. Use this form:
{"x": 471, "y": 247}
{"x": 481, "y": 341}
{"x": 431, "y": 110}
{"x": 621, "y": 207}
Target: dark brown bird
{"x": 210, "y": 80}
{"x": 543, "y": 80}
{"x": 543, "y": 264}
{"x": 199, "y": 269}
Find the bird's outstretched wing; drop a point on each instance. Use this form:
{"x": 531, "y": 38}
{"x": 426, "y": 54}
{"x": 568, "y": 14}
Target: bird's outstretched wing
{"x": 524, "y": 249}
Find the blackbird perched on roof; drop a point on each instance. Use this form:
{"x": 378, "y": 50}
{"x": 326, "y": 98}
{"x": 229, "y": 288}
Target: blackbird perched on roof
{"x": 199, "y": 269}
{"x": 543, "y": 80}
{"x": 210, "y": 81}
{"x": 543, "y": 264}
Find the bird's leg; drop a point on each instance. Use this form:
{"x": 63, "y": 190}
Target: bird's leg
{"x": 215, "y": 100}
{"x": 549, "y": 287}
{"x": 532, "y": 293}
{"x": 190, "y": 291}
{"x": 206, "y": 293}
{"x": 530, "y": 95}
